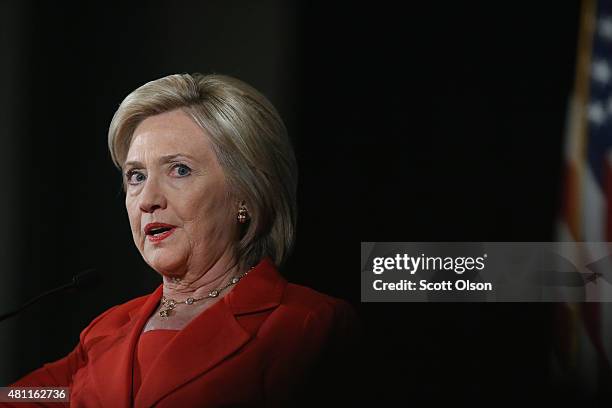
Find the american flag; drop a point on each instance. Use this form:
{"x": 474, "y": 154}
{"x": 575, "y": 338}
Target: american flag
{"x": 585, "y": 330}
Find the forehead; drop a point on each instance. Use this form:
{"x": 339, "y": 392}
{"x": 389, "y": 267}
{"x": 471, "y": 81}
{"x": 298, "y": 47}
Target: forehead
{"x": 171, "y": 132}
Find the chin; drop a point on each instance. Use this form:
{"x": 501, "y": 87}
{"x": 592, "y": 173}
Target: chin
{"x": 165, "y": 262}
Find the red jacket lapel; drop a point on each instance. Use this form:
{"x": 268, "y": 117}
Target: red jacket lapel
{"x": 111, "y": 368}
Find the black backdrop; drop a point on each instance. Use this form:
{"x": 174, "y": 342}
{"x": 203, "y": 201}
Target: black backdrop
{"x": 439, "y": 122}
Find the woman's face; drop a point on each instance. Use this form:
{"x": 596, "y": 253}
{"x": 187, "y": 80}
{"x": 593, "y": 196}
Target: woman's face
{"x": 173, "y": 178}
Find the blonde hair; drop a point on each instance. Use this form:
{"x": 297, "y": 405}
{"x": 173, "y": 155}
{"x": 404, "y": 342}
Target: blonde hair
{"x": 250, "y": 142}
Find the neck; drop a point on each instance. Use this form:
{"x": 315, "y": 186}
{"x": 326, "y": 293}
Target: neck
{"x": 210, "y": 278}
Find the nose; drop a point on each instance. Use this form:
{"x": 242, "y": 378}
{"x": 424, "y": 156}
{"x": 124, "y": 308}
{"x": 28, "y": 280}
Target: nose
{"x": 152, "y": 197}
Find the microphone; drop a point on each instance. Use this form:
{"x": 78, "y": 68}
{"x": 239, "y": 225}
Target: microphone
{"x": 86, "y": 279}
{"x": 82, "y": 280}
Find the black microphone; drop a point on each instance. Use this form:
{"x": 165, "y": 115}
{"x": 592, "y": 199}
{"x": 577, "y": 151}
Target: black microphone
{"x": 82, "y": 280}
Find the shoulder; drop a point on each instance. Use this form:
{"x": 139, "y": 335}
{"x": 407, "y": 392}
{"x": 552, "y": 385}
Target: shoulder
{"x": 319, "y": 310}
{"x": 330, "y": 337}
{"x": 309, "y": 301}
{"x": 315, "y": 332}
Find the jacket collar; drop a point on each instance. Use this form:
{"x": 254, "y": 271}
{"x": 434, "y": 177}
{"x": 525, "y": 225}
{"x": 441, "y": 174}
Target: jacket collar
{"x": 206, "y": 341}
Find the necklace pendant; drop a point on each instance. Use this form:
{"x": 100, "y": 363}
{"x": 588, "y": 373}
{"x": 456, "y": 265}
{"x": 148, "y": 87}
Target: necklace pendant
{"x": 169, "y": 303}
{"x": 164, "y": 313}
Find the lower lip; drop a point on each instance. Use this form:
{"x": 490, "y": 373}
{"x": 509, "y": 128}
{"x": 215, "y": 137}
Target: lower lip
{"x": 160, "y": 237}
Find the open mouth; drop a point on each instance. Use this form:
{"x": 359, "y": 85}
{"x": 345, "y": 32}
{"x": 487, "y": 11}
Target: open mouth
{"x": 158, "y": 231}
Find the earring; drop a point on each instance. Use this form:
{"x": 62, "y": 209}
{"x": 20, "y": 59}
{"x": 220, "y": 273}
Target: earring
{"x": 242, "y": 214}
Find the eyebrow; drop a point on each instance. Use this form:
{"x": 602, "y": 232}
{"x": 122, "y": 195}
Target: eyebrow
{"x": 162, "y": 160}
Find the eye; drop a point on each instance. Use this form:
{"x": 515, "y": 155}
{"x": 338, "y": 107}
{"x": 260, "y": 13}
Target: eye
{"x": 134, "y": 177}
{"x": 181, "y": 170}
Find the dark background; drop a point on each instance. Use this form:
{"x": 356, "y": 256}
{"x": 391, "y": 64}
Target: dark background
{"x": 439, "y": 122}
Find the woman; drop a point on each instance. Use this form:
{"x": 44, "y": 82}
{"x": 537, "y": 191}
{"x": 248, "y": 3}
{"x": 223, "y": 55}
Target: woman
{"x": 210, "y": 190}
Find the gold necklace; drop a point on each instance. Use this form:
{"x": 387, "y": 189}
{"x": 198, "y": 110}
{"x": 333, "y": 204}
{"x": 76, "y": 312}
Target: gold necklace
{"x": 169, "y": 304}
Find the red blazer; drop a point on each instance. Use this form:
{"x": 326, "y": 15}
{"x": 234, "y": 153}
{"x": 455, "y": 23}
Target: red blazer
{"x": 253, "y": 347}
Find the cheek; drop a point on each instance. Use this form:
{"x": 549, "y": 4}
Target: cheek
{"x": 208, "y": 213}
{"x": 133, "y": 214}
{"x": 219, "y": 219}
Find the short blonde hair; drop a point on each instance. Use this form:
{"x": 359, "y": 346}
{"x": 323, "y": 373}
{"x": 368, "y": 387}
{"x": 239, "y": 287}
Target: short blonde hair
{"x": 249, "y": 139}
